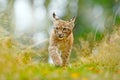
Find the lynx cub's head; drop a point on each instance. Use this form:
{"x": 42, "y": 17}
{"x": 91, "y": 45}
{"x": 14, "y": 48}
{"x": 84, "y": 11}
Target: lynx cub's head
{"x": 63, "y": 28}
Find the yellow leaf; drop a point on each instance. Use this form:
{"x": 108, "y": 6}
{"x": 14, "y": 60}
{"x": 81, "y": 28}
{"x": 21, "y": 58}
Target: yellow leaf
{"x": 74, "y": 75}
{"x": 85, "y": 79}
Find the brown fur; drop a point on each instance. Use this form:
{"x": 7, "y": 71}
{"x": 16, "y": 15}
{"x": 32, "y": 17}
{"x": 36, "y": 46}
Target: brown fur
{"x": 61, "y": 41}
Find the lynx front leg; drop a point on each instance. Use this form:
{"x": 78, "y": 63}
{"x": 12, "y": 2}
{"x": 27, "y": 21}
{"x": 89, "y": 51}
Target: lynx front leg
{"x": 53, "y": 52}
{"x": 65, "y": 57}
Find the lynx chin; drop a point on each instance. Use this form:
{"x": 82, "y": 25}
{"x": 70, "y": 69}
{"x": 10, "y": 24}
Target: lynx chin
{"x": 61, "y": 41}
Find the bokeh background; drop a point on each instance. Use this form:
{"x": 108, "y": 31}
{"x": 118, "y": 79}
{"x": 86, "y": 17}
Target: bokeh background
{"x": 30, "y": 21}
{"x": 25, "y": 27}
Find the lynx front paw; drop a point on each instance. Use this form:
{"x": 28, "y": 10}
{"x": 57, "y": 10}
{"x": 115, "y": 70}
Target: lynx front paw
{"x": 58, "y": 63}
{"x": 56, "y": 59}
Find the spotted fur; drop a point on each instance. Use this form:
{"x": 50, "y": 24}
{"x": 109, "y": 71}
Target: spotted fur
{"x": 61, "y": 41}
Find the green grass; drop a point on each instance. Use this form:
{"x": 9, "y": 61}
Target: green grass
{"x": 101, "y": 63}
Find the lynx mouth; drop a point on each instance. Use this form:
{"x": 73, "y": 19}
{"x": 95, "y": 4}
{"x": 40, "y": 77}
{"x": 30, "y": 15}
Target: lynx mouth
{"x": 60, "y": 37}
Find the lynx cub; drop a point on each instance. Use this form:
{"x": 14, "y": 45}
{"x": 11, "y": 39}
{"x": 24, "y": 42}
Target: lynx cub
{"x": 61, "y": 41}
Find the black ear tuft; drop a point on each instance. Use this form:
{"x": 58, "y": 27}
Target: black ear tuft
{"x": 73, "y": 19}
{"x": 54, "y": 15}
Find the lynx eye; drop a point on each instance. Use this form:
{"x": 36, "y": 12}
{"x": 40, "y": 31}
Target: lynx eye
{"x": 56, "y": 28}
{"x": 64, "y": 28}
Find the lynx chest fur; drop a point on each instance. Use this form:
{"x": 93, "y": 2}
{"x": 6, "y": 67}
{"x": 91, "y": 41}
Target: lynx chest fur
{"x": 61, "y": 41}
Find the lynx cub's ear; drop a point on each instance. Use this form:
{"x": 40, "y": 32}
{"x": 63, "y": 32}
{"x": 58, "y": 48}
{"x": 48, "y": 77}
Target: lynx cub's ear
{"x": 73, "y": 19}
{"x": 55, "y": 17}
